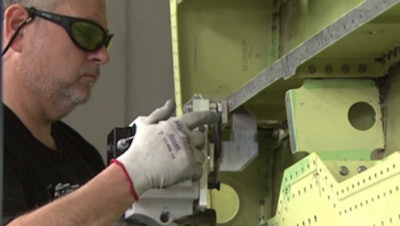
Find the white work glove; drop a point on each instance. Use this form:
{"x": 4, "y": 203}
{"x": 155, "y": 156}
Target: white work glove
{"x": 165, "y": 149}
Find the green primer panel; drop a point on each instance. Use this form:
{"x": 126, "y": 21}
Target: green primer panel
{"x": 339, "y": 116}
{"x": 315, "y": 195}
{"x": 301, "y": 19}
{"x": 222, "y": 44}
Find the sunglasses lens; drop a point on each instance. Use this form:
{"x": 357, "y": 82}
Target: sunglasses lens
{"x": 87, "y": 35}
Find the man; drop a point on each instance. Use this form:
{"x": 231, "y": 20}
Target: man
{"x": 52, "y": 51}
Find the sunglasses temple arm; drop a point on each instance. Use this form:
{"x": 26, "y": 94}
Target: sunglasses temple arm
{"x": 16, "y": 33}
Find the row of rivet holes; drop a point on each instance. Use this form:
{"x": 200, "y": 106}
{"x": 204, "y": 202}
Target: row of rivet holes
{"x": 367, "y": 201}
{"x": 345, "y": 68}
{"x": 344, "y": 171}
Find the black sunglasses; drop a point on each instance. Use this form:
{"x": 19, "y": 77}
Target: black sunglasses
{"x": 86, "y": 34}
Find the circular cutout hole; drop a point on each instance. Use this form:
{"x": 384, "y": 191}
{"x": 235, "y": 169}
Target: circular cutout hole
{"x": 226, "y": 202}
{"x": 362, "y": 116}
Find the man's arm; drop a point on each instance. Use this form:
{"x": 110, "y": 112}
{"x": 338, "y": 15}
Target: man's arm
{"x": 99, "y": 202}
{"x": 164, "y": 151}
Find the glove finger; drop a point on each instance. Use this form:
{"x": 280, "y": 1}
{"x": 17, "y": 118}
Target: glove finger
{"x": 197, "y": 139}
{"x": 198, "y": 157}
{"x": 198, "y": 118}
{"x": 197, "y": 172}
{"x": 161, "y": 113}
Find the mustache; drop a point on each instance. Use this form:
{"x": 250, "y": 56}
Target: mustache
{"x": 90, "y": 71}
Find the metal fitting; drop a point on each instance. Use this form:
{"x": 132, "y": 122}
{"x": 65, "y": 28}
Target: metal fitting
{"x": 343, "y": 170}
{"x": 361, "y": 169}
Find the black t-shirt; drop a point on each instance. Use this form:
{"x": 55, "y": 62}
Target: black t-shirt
{"x": 34, "y": 174}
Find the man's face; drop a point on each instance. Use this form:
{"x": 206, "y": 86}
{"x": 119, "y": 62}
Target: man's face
{"x": 53, "y": 66}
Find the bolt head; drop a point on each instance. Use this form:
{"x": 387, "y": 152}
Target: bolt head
{"x": 343, "y": 170}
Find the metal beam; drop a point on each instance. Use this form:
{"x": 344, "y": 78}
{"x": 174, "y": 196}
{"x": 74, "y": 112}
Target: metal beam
{"x": 286, "y": 66}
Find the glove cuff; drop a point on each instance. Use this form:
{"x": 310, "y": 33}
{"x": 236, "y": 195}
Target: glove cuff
{"x": 132, "y": 188}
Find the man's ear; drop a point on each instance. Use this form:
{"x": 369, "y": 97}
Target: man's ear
{"x": 14, "y": 16}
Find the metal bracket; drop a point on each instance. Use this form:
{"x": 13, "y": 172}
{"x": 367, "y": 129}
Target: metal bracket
{"x": 238, "y": 153}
